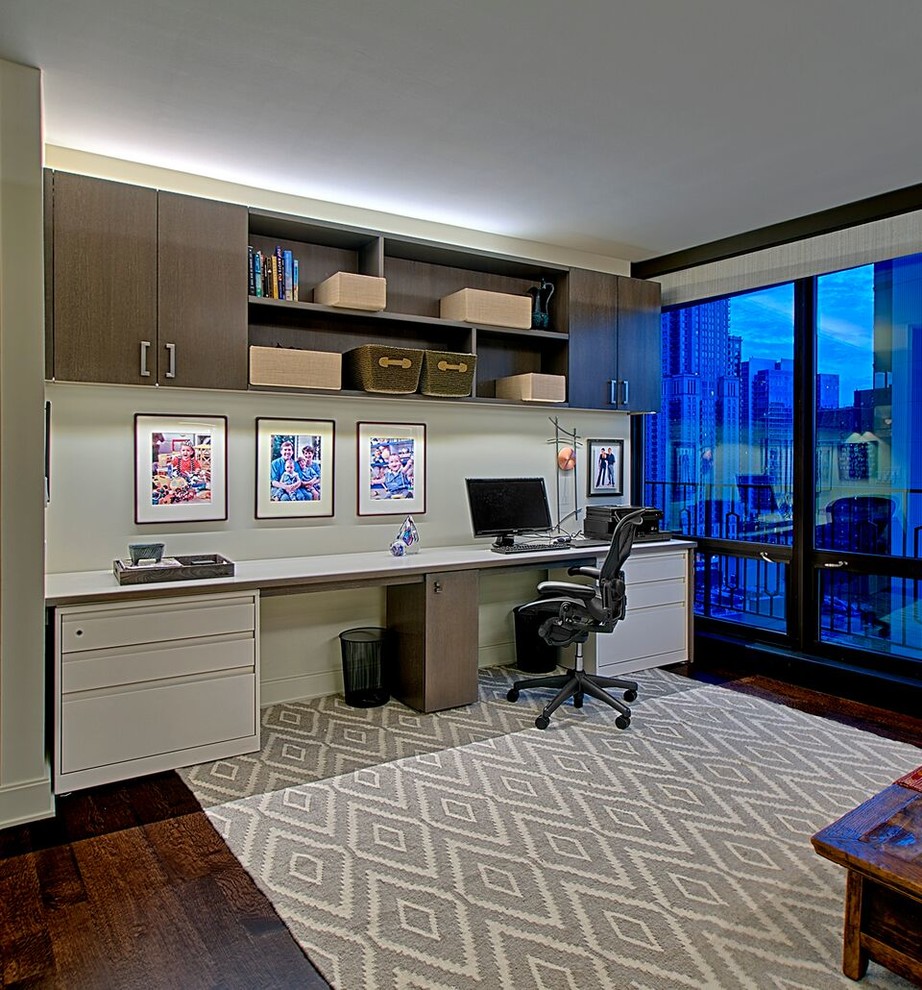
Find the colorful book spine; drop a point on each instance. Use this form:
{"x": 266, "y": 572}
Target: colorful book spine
{"x": 289, "y": 275}
{"x": 295, "y": 279}
{"x": 258, "y": 273}
{"x": 251, "y": 274}
{"x": 279, "y": 273}
{"x": 274, "y": 278}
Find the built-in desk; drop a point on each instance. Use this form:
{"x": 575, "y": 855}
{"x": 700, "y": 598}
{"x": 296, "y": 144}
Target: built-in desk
{"x": 432, "y": 604}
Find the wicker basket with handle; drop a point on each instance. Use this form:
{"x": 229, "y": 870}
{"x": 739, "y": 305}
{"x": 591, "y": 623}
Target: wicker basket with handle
{"x": 381, "y": 368}
{"x": 447, "y": 373}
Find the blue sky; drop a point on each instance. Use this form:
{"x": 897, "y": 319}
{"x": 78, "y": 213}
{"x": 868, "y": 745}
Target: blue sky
{"x": 764, "y": 320}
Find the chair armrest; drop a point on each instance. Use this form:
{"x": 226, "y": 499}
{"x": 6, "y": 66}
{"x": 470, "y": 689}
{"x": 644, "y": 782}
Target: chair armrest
{"x": 585, "y": 592}
{"x": 586, "y": 571}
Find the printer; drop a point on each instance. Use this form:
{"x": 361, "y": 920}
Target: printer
{"x": 601, "y": 521}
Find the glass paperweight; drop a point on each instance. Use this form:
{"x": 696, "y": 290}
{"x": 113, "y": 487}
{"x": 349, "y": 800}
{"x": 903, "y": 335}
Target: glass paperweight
{"x": 407, "y": 539}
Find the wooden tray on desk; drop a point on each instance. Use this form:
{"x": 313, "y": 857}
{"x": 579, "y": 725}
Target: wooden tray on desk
{"x": 193, "y": 567}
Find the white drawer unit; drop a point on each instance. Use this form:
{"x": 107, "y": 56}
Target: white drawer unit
{"x": 147, "y": 686}
{"x": 656, "y": 629}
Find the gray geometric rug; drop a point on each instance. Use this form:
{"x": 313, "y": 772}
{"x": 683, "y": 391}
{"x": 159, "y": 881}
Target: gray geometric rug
{"x": 468, "y": 849}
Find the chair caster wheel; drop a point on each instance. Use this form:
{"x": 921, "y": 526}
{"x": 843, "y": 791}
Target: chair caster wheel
{"x": 542, "y": 722}
{"x": 622, "y": 722}
{"x": 577, "y": 701}
{"x": 512, "y": 695}
{"x": 630, "y": 696}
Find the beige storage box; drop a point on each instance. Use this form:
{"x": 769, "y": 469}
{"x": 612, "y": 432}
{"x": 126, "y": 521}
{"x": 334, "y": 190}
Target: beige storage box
{"x": 495, "y": 309}
{"x": 295, "y": 368}
{"x": 350, "y": 291}
{"x": 533, "y": 388}
{"x": 380, "y": 368}
{"x": 447, "y": 373}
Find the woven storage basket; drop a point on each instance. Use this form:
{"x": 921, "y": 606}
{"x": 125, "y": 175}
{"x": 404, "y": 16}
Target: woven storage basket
{"x": 378, "y": 368}
{"x": 447, "y": 373}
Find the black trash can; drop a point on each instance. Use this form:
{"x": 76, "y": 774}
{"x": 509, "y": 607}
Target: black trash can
{"x": 532, "y": 653}
{"x": 364, "y": 654}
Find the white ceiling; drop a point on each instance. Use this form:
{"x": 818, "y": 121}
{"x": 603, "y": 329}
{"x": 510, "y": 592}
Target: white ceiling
{"x": 624, "y": 128}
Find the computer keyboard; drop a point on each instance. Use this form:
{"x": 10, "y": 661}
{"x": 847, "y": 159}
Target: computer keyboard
{"x": 528, "y": 547}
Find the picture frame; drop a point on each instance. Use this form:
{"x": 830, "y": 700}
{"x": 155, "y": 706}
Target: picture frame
{"x": 386, "y": 488}
{"x": 180, "y": 468}
{"x": 299, "y": 486}
{"x": 607, "y": 479}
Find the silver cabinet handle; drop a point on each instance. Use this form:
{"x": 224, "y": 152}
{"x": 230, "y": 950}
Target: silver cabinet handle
{"x": 627, "y": 391}
{"x": 171, "y": 367}
{"x": 838, "y": 563}
{"x": 613, "y": 398}
{"x": 769, "y": 560}
{"x": 145, "y": 347}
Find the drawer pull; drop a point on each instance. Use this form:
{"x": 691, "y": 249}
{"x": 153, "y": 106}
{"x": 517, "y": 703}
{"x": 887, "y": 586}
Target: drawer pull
{"x": 387, "y": 362}
{"x": 78, "y": 632}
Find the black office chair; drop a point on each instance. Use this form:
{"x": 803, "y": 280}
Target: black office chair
{"x": 584, "y": 609}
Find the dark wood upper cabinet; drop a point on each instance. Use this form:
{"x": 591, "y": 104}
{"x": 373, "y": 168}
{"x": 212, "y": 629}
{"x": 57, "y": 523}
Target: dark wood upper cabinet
{"x": 149, "y": 287}
{"x": 614, "y": 352}
{"x": 105, "y": 279}
{"x": 202, "y": 294}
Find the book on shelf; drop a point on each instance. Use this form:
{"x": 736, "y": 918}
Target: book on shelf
{"x": 279, "y": 273}
{"x": 258, "y": 273}
{"x": 251, "y": 273}
{"x": 294, "y": 279}
{"x": 288, "y": 275}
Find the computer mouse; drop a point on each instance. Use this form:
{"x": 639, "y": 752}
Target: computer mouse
{"x": 562, "y": 539}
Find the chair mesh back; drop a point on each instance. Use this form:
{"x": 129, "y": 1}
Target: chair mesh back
{"x": 611, "y": 575}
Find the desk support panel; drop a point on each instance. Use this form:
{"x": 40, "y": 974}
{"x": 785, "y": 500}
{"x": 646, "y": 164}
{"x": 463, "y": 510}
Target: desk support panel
{"x": 435, "y": 626}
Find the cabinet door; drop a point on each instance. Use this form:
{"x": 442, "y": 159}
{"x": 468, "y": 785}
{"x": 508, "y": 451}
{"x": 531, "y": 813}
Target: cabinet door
{"x": 639, "y": 345}
{"x": 202, "y": 298}
{"x": 593, "y": 355}
{"x": 436, "y": 626}
{"x": 104, "y": 272}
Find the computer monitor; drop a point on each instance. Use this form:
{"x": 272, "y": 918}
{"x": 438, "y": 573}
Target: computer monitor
{"x": 502, "y": 507}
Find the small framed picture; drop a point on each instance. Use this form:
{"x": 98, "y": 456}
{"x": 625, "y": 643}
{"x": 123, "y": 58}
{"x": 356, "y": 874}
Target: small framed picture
{"x": 180, "y": 468}
{"x": 392, "y": 469}
{"x": 605, "y": 467}
{"x": 294, "y": 468}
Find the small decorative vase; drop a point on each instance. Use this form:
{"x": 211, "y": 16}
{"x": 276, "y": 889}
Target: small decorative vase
{"x": 541, "y": 294}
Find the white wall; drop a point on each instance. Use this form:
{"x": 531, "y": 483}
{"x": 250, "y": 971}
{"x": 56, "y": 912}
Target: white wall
{"x": 25, "y": 792}
{"x": 90, "y": 518}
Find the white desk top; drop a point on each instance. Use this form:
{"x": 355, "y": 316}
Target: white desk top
{"x": 292, "y": 574}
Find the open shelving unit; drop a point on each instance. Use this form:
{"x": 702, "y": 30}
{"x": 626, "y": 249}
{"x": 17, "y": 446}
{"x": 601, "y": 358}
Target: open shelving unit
{"x": 418, "y": 274}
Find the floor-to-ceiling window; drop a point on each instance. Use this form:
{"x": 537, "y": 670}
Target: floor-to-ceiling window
{"x": 770, "y": 396}
{"x": 868, "y": 468}
{"x": 720, "y": 456}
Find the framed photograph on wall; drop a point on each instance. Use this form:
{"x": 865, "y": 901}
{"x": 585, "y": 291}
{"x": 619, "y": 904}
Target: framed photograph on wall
{"x": 392, "y": 469}
{"x": 294, "y": 468}
{"x": 605, "y": 467}
{"x": 180, "y": 468}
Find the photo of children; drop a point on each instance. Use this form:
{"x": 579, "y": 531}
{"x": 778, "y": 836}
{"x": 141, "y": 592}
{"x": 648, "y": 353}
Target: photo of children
{"x": 180, "y": 468}
{"x": 391, "y": 468}
{"x": 295, "y": 472}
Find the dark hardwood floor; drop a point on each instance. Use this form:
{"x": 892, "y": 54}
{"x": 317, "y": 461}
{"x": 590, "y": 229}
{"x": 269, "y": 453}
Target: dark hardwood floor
{"x": 130, "y": 886}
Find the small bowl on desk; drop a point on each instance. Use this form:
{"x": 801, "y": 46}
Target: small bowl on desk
{"x": 151, "y": 552}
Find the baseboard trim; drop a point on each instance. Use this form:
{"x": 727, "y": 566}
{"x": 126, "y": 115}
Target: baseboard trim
{"x": 25, "y": 802}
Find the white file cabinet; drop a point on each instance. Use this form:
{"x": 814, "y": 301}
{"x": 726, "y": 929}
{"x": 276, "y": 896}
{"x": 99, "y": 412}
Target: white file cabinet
{"x": 657, "y": 628}
{"x": 154, "y": 685}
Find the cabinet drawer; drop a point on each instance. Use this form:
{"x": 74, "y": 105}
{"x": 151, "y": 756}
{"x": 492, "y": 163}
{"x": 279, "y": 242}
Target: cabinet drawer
{"x": 654, "y": 593}
{"x": 655, "y": 567}
{"x": 647, "y": 632}
{"x": 124, "y": 625}
{"x": 88, "y": 670}
{"x": 119, "y": 726}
